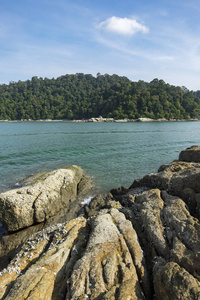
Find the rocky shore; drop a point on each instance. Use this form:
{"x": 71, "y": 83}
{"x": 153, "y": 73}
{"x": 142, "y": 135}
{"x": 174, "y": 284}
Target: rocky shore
{"x": 106, "y": 120}
{"x": 101, "y": 120}
{"x": 141, "y": 242}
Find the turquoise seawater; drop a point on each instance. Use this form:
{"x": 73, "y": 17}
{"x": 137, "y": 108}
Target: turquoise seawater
{"x": 113, "y": 153}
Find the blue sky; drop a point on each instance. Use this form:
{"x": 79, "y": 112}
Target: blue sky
{"x": 140, "y": 39}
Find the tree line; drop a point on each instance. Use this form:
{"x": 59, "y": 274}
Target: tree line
{"x": 82, "y": 96}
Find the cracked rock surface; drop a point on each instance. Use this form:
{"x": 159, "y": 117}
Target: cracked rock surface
{"x": 44, "y": 196}
{"x": 141, "y": 242}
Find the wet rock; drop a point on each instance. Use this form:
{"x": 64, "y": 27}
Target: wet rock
{"x": 100, "y": 202}
{"x": 117, "y": 192}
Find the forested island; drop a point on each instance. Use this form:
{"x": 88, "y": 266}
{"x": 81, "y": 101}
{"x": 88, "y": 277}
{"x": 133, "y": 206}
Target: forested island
{"x": 83, "y": 96}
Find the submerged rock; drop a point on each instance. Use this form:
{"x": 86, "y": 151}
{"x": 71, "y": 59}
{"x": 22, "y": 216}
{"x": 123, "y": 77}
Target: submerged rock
{"x": 137, "y": 243}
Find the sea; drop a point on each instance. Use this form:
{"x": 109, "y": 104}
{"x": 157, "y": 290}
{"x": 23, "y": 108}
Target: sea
{"x": 114, "y": 154}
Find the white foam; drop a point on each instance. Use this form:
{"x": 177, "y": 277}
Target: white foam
{"x": 86, "y": 201}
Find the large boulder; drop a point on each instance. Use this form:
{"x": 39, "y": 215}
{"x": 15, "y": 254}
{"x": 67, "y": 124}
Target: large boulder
{"x": 137, "y": 243}
{"x": 191, "y": 154}
{"x": 163, "y": 178}
{"x": 43, "y": 196}
{"x": 150, "y": 250}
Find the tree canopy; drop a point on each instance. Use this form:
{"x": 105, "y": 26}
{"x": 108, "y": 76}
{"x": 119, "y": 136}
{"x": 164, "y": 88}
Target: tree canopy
{"x": 82, "y": 96}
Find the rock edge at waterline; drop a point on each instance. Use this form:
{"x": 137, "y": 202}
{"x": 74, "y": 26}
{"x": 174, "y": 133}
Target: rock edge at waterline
{"x": 141, "y": 242}
{"x": 43, "y": 196}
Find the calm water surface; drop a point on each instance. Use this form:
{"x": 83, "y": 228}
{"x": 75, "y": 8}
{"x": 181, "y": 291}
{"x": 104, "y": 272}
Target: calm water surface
{"x": 113, "y": 153}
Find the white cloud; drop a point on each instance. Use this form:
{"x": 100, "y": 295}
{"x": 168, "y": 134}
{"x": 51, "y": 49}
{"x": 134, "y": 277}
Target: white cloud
{"x": 124, "y": 26}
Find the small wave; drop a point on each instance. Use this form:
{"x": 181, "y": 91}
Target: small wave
{"x": 87, "y": 201}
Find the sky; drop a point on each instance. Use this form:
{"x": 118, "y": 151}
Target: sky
{"x": 139, "y": 39}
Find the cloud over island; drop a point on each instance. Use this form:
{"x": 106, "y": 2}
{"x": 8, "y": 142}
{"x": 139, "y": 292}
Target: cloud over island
{"x": 141, "y": 40}
{"x": 124, "y": 26}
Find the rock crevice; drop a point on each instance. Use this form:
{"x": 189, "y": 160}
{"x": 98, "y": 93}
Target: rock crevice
{"x": 141, "y": 242}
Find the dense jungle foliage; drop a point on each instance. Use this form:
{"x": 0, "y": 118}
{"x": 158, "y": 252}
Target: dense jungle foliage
{"x": 82, "y": 96}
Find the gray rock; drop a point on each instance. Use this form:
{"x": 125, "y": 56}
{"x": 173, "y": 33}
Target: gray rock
{"x": 188, "y": 178}
{"x": 45, "y": 195}
{"x": 137, "y": 243}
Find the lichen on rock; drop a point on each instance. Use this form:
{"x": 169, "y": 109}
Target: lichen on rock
{"x": 141, "y": 242}
{"x": 44, "y": 196}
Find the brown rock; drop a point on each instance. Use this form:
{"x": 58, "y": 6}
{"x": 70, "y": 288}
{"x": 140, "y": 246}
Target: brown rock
{"x": 162, "y": 179}
{"x": 189, "y": 197}
{"x": 35, "y": 271}
{"x": 137, "y": 243}
{"x": 171, "y": 282}
{"x": 186, "y": 258}
{"x": 191, "y": 154}
{"x": 188, "y": 178}
{"x": 11, "y": 244}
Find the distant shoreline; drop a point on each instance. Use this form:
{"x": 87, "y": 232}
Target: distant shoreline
{"x": 103, "y": 120}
